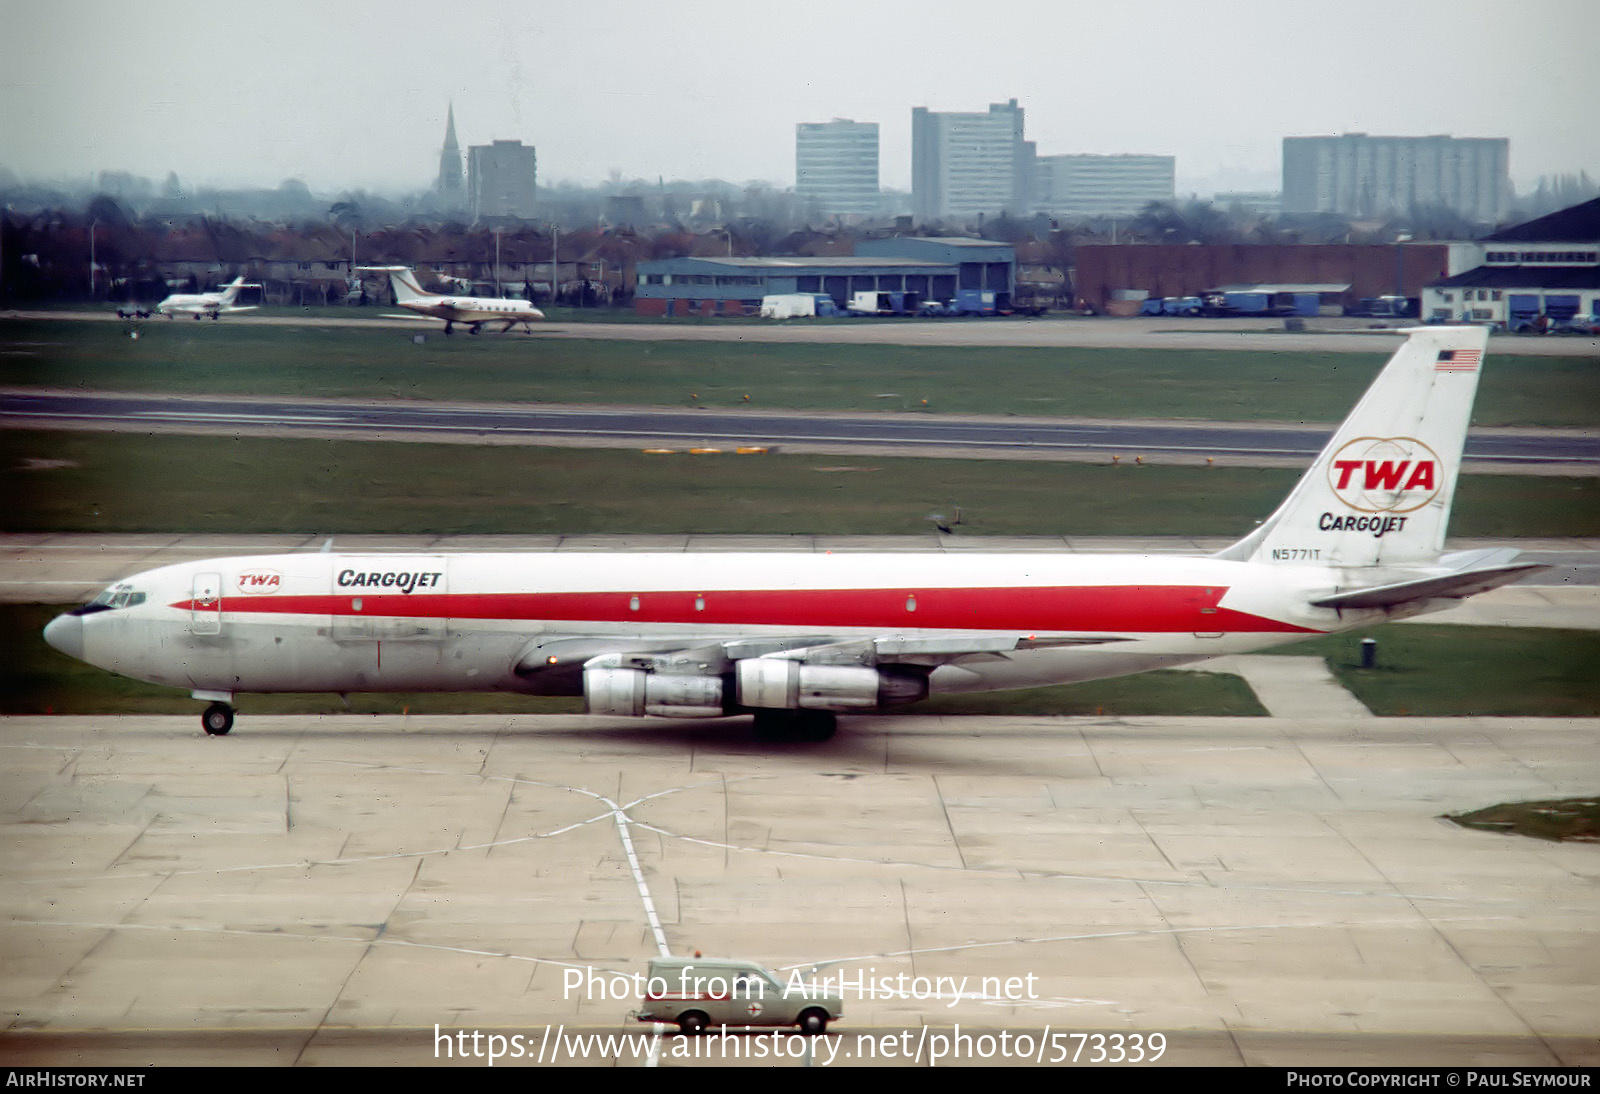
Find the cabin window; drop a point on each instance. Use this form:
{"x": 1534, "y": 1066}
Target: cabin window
{"x": 911, "y": 603}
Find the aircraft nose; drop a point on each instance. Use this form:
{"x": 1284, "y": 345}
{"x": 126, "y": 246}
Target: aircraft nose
{"x": 65, "y": 633}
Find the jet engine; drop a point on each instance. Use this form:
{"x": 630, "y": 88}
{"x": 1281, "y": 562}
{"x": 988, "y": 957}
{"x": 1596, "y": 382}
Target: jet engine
{"x": 768, "y": 682}
{"x": 636, "y": 692}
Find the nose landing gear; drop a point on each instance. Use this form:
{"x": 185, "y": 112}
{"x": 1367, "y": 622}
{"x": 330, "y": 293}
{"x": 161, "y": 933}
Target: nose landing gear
{"x": 217, "y": 719}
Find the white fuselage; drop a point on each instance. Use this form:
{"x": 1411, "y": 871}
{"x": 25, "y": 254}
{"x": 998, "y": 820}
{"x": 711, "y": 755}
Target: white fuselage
{"x": 474, "y": 309}
{"x": 201, "y": 305}
{"x": 470, "y": 622}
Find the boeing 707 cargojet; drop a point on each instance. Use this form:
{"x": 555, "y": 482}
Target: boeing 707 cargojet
{"x": 206, "y": 304}
{"x": 471, "y": 310}
{"x": 796, "y": 639}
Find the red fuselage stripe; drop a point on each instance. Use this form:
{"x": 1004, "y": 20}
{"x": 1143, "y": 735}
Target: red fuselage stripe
{"x": 1141, "y": 609}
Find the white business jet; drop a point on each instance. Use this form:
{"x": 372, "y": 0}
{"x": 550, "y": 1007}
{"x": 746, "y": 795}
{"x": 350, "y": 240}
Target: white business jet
{"x": 452, "y": 308}
{"x": 796, "y": 639}
{"x": 207, "y": 305}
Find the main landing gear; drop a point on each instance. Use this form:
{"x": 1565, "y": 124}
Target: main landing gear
{"x": 218, "y": 719}
{"x": 796, "y": 725}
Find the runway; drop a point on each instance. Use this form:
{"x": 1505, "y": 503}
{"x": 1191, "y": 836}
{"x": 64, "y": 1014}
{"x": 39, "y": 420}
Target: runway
{"x": 1236, "y": 443}
{"x": 328, "y": 890}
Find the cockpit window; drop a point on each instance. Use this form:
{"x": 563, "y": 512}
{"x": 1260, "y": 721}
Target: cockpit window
{"x": 118, "y": 596}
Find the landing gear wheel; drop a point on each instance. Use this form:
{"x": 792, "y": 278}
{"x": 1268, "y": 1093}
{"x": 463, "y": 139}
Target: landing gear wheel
{"x": 692, "y": 1024}
{"x": 218, "y": 719}
{"x": 814, "y": 1023}
{"x": 795, "y": 725}
{"x": 815, "y": 725}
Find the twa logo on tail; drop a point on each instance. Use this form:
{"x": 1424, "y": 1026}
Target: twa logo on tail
{"x": 1386, "y": 474}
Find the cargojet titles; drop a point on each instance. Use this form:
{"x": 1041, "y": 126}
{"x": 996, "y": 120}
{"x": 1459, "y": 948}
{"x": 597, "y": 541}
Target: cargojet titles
{"x": 400, "y": 580}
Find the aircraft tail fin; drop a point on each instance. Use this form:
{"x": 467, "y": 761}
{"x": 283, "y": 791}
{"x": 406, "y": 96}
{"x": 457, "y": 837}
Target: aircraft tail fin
{"x": 403, "y": 280}
{"x": 1379, "y": 493}
{"x": 230, "y": 291}
{"x": 405, "y": 285}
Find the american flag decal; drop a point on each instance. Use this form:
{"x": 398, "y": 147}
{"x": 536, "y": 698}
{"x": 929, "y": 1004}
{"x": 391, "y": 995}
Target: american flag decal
{"x": 1457, "y": 360}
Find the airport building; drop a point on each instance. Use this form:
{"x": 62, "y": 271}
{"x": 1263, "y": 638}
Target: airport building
{"x": 1101, "y": 186}
{"x": 836, "y": 166}
{"x": 501, "y": 180}
{"x": 931, "y": 269}
{"x": 1360, "y": 176}
{"x": 1104, "y": 274}
{"x": 1535, "y": 276}
{"x": 969, "y": 165}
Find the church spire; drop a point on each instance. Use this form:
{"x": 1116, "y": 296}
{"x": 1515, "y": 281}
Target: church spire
{"x": 449, "y": 186}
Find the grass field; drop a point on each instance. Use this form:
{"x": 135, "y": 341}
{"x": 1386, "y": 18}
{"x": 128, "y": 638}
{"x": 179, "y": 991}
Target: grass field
{"x": 102, "y": 482}
{"x": 215, "y": 358}
{"x": 1576, "y": 819}
{"x": 1449, "y": 671}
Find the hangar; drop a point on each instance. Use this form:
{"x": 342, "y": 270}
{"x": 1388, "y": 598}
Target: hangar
{"x": 933, "y": 269}
{"x": 1534, "y": 276}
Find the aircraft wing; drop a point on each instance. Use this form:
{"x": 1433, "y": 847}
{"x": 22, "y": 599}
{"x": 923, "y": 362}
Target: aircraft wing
{"x": 551, "y": 660}
{"x": 1471, "y": 572}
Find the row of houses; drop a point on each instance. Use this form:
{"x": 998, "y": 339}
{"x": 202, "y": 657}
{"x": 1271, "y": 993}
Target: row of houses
{"x": 58, "y": 256}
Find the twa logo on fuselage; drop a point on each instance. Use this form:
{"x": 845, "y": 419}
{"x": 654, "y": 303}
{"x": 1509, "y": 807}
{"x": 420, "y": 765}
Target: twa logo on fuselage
{"x": 1386, "y": 474}
{"x": 259, "y": 581}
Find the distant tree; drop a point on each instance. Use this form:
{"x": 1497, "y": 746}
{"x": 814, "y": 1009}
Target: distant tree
{"x": 1194, "y": 222}
{"x": 347, "y": 214}
{"x": 1434, "y": 221}
{"x": 1556, "y": 192}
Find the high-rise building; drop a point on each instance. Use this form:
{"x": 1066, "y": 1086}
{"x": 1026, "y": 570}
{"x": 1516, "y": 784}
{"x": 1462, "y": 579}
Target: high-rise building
{"x": 501, "y": 179}
{"x": 836, "y": 165}
{"x": 1101, "y": 186}
{"x": 969, "y": 164}
{"x": 1361, "y": 176}
{"x": 449, "y": 188}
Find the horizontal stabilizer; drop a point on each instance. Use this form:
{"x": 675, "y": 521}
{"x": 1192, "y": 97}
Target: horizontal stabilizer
{"x": 1448, "y": 586}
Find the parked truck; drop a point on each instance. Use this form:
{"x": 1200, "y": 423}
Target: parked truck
{"x": 801, "y": 305}
{"x": 1384, "y": 307}
{"x": 885, "y": 303}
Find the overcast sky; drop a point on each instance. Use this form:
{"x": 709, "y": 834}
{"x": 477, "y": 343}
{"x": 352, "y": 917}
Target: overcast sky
{"x": 354, "y": 94}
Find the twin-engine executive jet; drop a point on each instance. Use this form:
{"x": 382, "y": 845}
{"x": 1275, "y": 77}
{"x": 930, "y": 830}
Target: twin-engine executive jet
{"x": 206, "y": 304}
{"x": 475, "y": 311}
{"x": 797, "y": 638}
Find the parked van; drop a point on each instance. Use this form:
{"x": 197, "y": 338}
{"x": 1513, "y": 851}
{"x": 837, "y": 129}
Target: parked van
{"x": 696, "y": 992}
{"x": 797, "y": 305}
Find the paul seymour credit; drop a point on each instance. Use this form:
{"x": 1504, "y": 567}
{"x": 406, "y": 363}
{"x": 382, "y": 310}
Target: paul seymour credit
{"x": 1455, "y": 1078}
